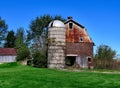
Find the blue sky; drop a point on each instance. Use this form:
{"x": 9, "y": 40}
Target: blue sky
{"x": 100, "y": 17}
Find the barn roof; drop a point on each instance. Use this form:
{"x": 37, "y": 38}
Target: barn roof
{"x": 70, "y": 20}
{"x": 7, "y": 51}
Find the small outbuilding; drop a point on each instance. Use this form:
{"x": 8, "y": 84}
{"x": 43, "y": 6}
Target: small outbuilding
{"x": 7, "y": 55}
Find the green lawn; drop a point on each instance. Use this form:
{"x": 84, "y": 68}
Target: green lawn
{"x": 17, "y": 76}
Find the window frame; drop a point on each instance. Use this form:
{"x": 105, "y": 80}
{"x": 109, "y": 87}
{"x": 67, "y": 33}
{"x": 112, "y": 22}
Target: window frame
{"x": 81, "y": 39}
{"x": 70, "y": 25}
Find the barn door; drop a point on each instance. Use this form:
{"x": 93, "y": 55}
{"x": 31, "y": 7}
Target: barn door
{"x": 78, "y": 61}
{"x": 70, "y": 60}
{"x": 82, "y": 62}
{"x": 89, "y": 62}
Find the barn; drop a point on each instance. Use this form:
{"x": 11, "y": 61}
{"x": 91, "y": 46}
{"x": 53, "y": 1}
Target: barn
{"x": 79, "y": 45}
{"x": 69, "y": 45}
{"x": 7, "y": 55}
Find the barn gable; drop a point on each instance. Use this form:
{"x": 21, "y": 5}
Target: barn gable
{"x": 76, "y": 32}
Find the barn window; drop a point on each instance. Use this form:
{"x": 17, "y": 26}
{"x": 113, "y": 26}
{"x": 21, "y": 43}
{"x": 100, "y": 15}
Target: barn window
{"x": 70, "y": 25}
{"x": 81, "y": 39}
{"x": 89, "y": 59}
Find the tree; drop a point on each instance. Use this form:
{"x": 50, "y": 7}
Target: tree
{"x": 20, "y": 37}
{"x": 38, "y": 30}
{"x": 105, "y": 52}
{"x": 10, "y": 40}
{"x": 23, "y": 52}
{"x": 40, "y": 59}
{"x": 3, "y": 30}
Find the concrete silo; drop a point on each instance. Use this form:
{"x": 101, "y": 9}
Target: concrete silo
{"x": 56, "y": 44}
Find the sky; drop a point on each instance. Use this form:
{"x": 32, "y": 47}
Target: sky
{"x": 101, "y": 18}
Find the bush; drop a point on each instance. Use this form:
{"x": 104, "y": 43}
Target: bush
{"x": 106, "y": 64}
{"x": 39, "y": 60}
{"x": 105, "y": 52}
{"x": 23, "y": 53}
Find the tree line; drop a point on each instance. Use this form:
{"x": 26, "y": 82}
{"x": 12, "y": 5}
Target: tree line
{"x": 31, "y": 43}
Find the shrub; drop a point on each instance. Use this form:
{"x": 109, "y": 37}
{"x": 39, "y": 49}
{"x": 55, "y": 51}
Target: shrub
{"x": 105, "y": 52}
{"x": 39, "y": 59}
{"x": 23, "y": 53}
{"x": 106, "y": 64}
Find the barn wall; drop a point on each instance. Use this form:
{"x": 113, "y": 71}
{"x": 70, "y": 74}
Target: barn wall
{"x": 81, "y": 49}
{"x": 4, "y": 59}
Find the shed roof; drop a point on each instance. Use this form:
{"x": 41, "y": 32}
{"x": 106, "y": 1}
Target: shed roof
{"x": 7, "y": 51}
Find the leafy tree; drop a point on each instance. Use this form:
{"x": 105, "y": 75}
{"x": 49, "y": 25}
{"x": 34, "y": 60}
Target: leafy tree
{"x": 105, "y": 52}
{"x": 3, "y": 30}
{"x": 23, "y": 53}
{"x": 21, "y": 45}
{"x": 58, "y": 17}
{"x": 38, "y": 30}
{"x": 40, "y": 59}
{"x": 10, "y": 40}
{"x": 20, "y": 37}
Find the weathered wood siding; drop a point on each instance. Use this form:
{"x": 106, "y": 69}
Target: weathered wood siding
{"x": 81, "y": 49}
{"x": 4, "y": 59}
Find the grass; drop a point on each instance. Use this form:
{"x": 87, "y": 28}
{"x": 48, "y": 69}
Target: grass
{"x": 13, "y": 75}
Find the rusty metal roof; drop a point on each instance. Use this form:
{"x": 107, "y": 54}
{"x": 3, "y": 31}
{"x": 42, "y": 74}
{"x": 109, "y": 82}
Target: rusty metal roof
{"x": 7, "y": 51}
{"x": 77, "y": 33}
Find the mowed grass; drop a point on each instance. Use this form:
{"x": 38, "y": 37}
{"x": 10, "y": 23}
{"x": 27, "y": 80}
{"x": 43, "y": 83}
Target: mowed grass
{"x": 13, "y": 75}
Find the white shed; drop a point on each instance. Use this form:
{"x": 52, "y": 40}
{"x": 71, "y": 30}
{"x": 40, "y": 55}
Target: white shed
{"x": 7, "y": 55}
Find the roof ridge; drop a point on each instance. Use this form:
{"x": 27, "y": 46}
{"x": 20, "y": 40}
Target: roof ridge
{"x": 74, "y": 22}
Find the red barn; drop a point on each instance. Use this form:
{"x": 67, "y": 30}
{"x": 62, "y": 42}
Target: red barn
{"x": 79, "y": 46}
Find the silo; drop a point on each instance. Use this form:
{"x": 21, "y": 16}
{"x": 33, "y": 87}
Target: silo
{"x": 56, "y": 44}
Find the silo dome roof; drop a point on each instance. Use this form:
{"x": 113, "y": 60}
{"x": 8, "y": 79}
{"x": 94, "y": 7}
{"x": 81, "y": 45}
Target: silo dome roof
{"x": 56, "y": 23}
